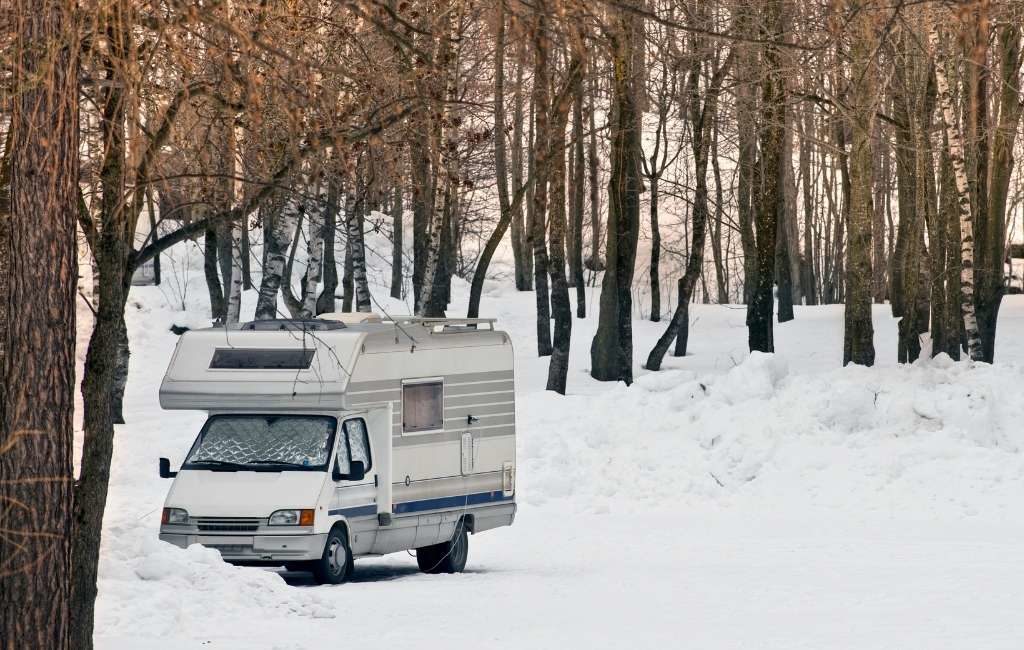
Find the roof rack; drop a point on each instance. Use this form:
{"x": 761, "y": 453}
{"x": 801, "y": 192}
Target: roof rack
{"x": 291, "y": 325}
{"x": 467, "y": 323}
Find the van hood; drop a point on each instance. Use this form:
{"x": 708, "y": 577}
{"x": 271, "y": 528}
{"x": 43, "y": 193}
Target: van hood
{"x": 205, "y": 493}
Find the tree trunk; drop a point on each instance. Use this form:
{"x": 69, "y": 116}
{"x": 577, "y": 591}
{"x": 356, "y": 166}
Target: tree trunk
{"x": 234, "y": 306}
{"x": 37, "y": 384}
{"x": 446, "y": 137}
{"x": 769, "y": 200}
{"x": 541, "y": 167}
{"x": 807, "y": 275}
{"x": 611, "y": 353}
{"x": 522, "y": 256}
{"x": 746, "y": 134}
{"x": 576, "y": 245}
{"x": 329, "y": 234}
{"x": 956, "y": 157}
{"x": 999, "y": 170}
{"x": 595, "y": 188}
{"x": 314, "y": 262}
{"x": 396, "y": 243}
{"x": 858, "y": 337}
{"x": 721, "y": 276}
{"x": 280, "y": 228}
{"x": 558, "y": 368}
{"x": 352, "y": 207}
{"x": 357, "y": 253}
{"x": 655, "y": 269}
{"x": 218, "y": 306}
{"x": 787, "y": 264}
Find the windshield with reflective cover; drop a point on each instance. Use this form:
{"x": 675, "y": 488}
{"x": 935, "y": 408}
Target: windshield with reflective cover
{"x": 263, "y": 442}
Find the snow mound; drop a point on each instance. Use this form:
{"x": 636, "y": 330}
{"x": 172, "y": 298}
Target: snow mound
{"x": 180, "y": 587}
{"x": 906, "y": 437}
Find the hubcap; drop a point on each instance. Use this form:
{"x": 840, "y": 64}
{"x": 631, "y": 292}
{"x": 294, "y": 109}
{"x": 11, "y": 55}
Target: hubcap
{"x": 336, "y": 557}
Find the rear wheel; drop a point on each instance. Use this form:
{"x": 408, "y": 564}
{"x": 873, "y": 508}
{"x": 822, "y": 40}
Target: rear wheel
{"x": 335, "y": 566}
{"x": 446, "y": 557}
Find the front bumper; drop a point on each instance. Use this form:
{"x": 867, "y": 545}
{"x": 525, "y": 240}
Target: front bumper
{"x": 255, "y": 548}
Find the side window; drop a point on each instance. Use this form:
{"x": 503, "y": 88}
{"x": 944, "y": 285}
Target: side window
{"x": 354, "y": 445}
{"x": 422, "y": 406}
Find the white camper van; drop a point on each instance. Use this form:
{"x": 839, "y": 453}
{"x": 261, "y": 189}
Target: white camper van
{"x": 330, "y": 440}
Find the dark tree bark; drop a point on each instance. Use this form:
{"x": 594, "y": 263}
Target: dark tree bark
{"x": 596, "y": 263}
{"x": 522, "y": 255}
{"x": 105, "y": 358}
{"x": 858, "y": 331}
{"x": 218, "y": 305}
{"x": 541, "y": 165}
{"x": 746, "y": 134}
{"x": 325, "y": 302}
{"x": 151, "y": 213}
{"x": 352, "y": 207}
{"x": 721, "y": 275}
{"x": 611, "y": 353}
{"x": 993, "y": 171}
{"x": 769, "y": 199}
{"x": 807, "y": 274}
{"x": 396, "y": 242}
{"x": 558, "y": 369}
{"x": 578, "y": 166}
{"x": 37, "y": 384}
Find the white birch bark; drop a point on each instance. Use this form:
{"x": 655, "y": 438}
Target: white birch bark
{"x": 235, "y": 288}
{"x": 956, "y": 156}
{"x": 314, "y": 264}
{"x": 361, "y": 286}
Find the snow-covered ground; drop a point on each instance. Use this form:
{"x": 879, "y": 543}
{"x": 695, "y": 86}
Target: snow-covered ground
{"x": 729, "y": 501}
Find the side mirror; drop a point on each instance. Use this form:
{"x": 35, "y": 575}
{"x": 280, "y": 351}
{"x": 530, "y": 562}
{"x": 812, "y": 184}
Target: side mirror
{"x": 356, "y": 472}
{"x": 165, "y": 469}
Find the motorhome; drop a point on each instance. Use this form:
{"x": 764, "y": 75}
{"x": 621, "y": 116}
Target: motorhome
{"x": 343, "y": 437}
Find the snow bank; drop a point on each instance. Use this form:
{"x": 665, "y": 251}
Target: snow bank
{"x": 929, "y": 437}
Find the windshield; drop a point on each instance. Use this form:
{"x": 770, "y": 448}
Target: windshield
{"x": 300, "y": 442}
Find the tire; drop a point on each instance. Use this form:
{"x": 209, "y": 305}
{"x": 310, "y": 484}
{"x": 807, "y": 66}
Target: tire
{"x": 335, "y": 566}
{"x": 446, "y": 557}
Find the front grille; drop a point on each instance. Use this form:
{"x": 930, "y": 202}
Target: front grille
{"x": 227, "y": 525}
{"x": 230, "y": 549}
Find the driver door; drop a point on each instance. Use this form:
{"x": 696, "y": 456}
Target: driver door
{"x": 355, "y": 497}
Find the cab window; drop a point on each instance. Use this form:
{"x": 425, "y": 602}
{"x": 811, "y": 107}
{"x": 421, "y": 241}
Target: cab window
{"x": 354, "y": 445}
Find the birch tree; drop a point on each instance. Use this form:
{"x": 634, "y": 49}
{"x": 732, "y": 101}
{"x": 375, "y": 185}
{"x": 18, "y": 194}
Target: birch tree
{"x": 954, "y": 142}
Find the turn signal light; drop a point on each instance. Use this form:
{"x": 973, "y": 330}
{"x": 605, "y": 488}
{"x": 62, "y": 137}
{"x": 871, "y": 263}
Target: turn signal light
{"x": 305, "y": 517}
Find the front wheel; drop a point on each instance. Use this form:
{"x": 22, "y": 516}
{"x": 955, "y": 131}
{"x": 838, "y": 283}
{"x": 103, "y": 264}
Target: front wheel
{"x": 446, "y": 557}
{"x": 335, "y": 566}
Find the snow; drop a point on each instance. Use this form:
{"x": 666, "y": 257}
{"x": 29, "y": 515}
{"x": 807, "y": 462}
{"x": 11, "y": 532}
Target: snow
{"x": 729, "y": 501}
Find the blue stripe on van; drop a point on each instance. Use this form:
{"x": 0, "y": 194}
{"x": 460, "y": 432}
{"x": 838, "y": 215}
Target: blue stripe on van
{"x": 357, "y": 511}
{"x": 451, "y": 502}
{"x": 477, "y": 499}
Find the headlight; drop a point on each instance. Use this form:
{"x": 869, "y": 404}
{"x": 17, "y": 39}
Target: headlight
{"x": 174, "y": 516}
{"x": 292, "y": 518}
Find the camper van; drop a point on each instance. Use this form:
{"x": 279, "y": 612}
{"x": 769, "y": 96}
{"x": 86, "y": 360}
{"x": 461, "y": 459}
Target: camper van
{"x": 343, "y": 437}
